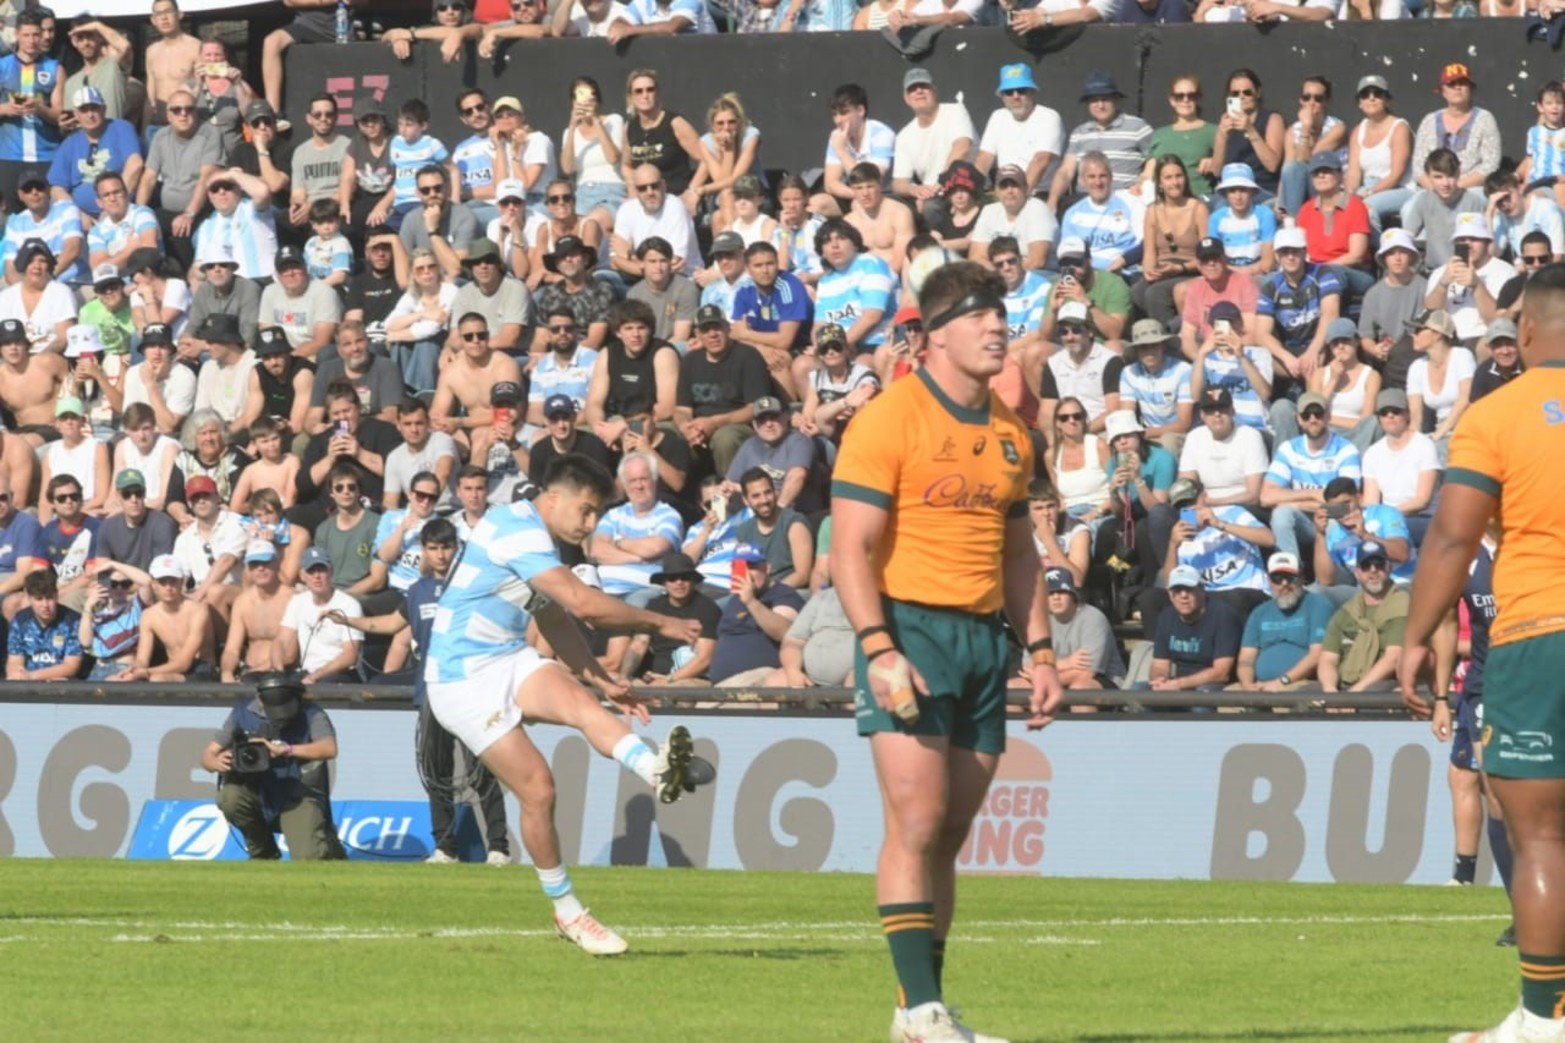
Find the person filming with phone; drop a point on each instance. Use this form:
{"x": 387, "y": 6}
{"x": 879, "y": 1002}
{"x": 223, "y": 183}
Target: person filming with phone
{"x": 1342, "y": 523}
{"x": 754, "y": 622}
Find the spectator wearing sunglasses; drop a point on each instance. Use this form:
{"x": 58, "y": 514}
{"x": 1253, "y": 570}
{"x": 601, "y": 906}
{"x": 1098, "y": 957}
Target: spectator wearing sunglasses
{"x": 1403, "y": 468}
{"x": 183, "y": 158}
{"x": 66, "y": 543}
{"x": 111, "y": 616}
{"x": 1302, "y": 469}
{"x": 138, "y": 533}
{"x": 397, "y": 542}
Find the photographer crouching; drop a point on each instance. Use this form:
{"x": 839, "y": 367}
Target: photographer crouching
{"x": 271, "y": 757}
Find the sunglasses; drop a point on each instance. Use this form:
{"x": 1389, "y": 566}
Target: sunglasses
{"x": 325, "y": 114}
{"x": 1374, "y": 565}
{"x": 643, "y": 90}
{"x": 66, "y": 498}
{"x": 1284, "y": 579}
{"x": 511, "y": 201}
{"x": 475, "y": 338}
{"x": 1391, "y": 411}
{"x": 121, "y": 584}
{"x": 1372, "y": 92}
{"x": 133, "y": 493}
{"x": 564, "y": 197}
{"x": 1185, "y": 95}
{"x": 831, "y": 345}
{"x": 1015, "y": 92}
{"x": 1313, "y": 413}
{"x": 429, "y": 190}
{"x": 1312, "y": 96}
{"x": 1071, "y": 330}
{"x": 345, "y": 487}
{"x": 1007, "y": 262}
{"x": 653, "y": 187}
{"x": 1242, "y": 92}
{"x": 1070, "y": 418}
{"x": 422, "y": 495}
{"x": 470, "y": 110}
{"x": 1534, "y": 262}
{"x": 181, "y": 110}
{"x": 566, "y": 327}
{"x": 264, "y": 121}
{"x": 225, "y": 187}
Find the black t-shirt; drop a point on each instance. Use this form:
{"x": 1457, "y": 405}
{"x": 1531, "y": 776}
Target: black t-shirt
{"x": 734, "y": 381}
{"x": 375, "y": 435}
{"x": 246, "y": 158}
{"x": 948, "y": 228}
{"x": 1488, "y": 378}
{"x": 1193, "y": 647}
{"x": 587, "y": 444}
{"x": 633, "y": 386}
{"x": 277, "y": 393}
{"x": 660, "y": 652}
{"x": 376, "y": 295}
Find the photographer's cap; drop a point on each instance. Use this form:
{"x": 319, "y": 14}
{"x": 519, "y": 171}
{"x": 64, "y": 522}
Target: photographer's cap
{"x": 166, "y": 566}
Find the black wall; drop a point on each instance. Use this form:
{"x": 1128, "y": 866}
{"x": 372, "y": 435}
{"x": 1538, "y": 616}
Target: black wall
{"x": 784, "y": 80}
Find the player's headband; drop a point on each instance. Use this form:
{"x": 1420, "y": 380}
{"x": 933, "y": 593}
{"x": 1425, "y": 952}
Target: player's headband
{"x": 980, "y": 301}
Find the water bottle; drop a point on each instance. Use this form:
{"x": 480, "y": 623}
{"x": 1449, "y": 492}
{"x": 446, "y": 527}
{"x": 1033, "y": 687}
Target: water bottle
{"x": 344, "y": 22}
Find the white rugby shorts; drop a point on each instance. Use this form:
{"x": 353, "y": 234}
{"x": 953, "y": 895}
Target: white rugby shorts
{"x": 482, "y": 708}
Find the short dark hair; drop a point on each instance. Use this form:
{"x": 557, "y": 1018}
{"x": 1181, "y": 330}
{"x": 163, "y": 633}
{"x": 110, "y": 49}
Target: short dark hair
{"x": 472, "y": 471}
{"x": 849, "y": 96}
{"x": 865, "y": 173}
{"x": 468, "y": 93}
{"x": 322, "y": 96}
{"x": 654, "y": 242}
{"x": 136, "y": 414}
{"x": 1536, "y": 237}
{"x": 624, "y": 312}
{"x": 1339, "y": 486}
{"x": 473, "y": 316}
{"x": 431, "y": 168}
{"x": 61, "y": 481}
{"x": 559, "y": 311}
{"x": 34, "y": 16}
{"x": 409, "y": 406}
{"x": 41, "y": 583}
{"x": 437, "y": 532}
{"x": 949, "y": 283}
{"x": 754, "y": 474}
{"x": 341, "y": 388}
{"x": 345, "y": 469}
{"x": 266, "y": 425}
{"x": 107, "y": 175}
{"x": 759, "y": 247}
{"x": 1442, "y": 161}
{"x": 414, "y": 109}
{"x": 1004, "y": 244}
{"x": 578, "y": 473}
{"x": 424, "y": 476}
{"x": 325, "y": 210}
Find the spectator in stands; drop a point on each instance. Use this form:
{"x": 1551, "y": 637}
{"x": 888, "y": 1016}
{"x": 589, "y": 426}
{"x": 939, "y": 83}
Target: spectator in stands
{"x": 1228, "y": 459}
{"x": 1014, "y": 215}
{"x": 527, "y": 243}
{"x": 466, "y": 381}
{"x": 773, "y": 312}
{"x": 658, "y": 660}
{"x": 1105, "y": 294}
{"x": 183, "y": 157}
{"x": 257, "y": 614}
{"x": 1389, "y": 305}
{"x": 350, "y": 440}
{"x": 106, "y": 56}
{"x": 1439, "y": 382}
{"x": 632, "y": 376}
{"x": 211, "y": 547}
{"x": 108, "y": 316}
{"x": 397, "y": 535}
{"x": 1246, "y": 230}
{"x": 1190, "y": 136}
{"x": 1118, "y": 137}
{"x": 416, "y": 328}
{"x": 1226, "y": 544}
{"x": 633, "y": 537}
{"x": 1060, "y": 539}
{"x": 558, "y": 417}
{"x": 223, "y": 290}
{"x": 1403, "y": 468}
{"x": 886, "y": 225}
{"x": 411, "y": 152}
{"x": 754, "y": 621}
{"x": 1079, "y": 464}
{"x": 1156, "y": 387}
{"x": 590, "y": 153}
{"x": 274, "y": 468}
{"x": 1085, "y": 370}
{"x": 307, "y": 637}
{"x": 316, "y": 169}
{"x": 653, "y": 215}
{"x": 1021, "y": 133}
{"x": 1363, "y": 642}
{"x": 938, "y": 135}
{"x": 718, "y": 387}
{"x": 1349, "y": 385}
{"x": 1301, "y": 469}
{"x": 1505, "y": 362}
{"x": 111, "y": 618}
{"x": 65, "y": 543}
{"x": 305, "y": 308}
{"x": 837, "y": 388}
{"x": 266, "y": 154}
{"x": 1254, "y": 135}
{"x": 786, "y": 456}
{"x": 472, "y": 496}
{"x": 1104, "y": 220}
{"x": 1197, "y": 640}
{"x": 780, "y": 533}
{"x": 374, "y": 377}
{"x": 221, "y": 93}
{"x": 1282, "y": 639}
{"x": 223, "y": 385}
{"x": 818, "y": 647}
{"x": 421, "y": 450}
{"x": 138, "y": 533}
{"x": 656, "y": 136}
{"x": 281, "y": 385}
{"x": 170, "y": 61}
{"x": 730, "y": 152}
{"x": 347, "y": 537}
{"x": 43, "y": 642}
{"x": 29, "y": 384}
{"x": 660, "y": 18}
{"x": 669, "y": 293}
{"x": 502, "y": 300}
{"x": 1218, "y": 282}
{"x": 205, "y": 451}
{"x": 21, "y": 544}
{"x": 1314, "y": 134}
{"x": 1174, "y": 229}
{"x": 1513, "y": 214}
{"x": 857, "y": 290}
{"x": 438, "y": 225}
{"x": 1336, "y": 226}
{"x": 169, "y": 390}
{"x": 123, "y": 229}
{"x": 1430, "y": 215}
{"x": 29, "y": 132}
{"x": 587, "y": 299}
{"x": 1467, "y": 286}
{"x": 1380, "y": 153}
{"x": 75, "y": 453}
{"x": 855, "y": 139}
{"x": 1140, "y": 475}
{"x": 1343, "y": 524}
{"x": 1471, "y": 132}
{"x": 1084, "y": 640}
{"x": 1230, "y": 361}
{"x": 364, "y": 187}
{"x": 53, "y": 224}
{"x": 1296, "y": 305}
{"x": 97, "y": 145}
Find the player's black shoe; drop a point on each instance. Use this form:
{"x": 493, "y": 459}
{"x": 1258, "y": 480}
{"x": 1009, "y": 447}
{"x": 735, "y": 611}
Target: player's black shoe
{"x": 1507, "y": 939}
{"x": 679, "y": 770}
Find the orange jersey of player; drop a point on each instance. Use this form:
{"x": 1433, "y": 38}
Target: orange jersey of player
{"x": 950, "y": 478}
{"x": 1509, "y": 444}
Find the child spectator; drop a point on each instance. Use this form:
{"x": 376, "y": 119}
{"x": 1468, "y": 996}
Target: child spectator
{"x": 1545, "y": 160}
{"x": 273, "y": 468}
{"x": 328, "y": 255}
{"x": 411, "y": 149}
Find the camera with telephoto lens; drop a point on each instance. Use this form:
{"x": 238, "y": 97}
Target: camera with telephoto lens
{"x": 250, "y": 758}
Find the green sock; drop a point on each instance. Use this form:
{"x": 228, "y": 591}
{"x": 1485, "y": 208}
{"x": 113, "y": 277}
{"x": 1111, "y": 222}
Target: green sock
{"x": 910, "y": 931}
{"x": 940, "y": 963}
{"x": 1543, "y": 985}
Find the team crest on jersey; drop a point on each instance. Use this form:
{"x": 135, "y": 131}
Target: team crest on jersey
{"x": 978, "y": 446}
{"x": 947, "y": 452}
{"x": 1008, "y": 450}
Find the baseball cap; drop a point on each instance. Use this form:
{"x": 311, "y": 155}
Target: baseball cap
{"x": 1184, "y": 576}
{"x": 69, "y": 405}
{"x": 505, "y": 393}
{"x": 1184, "y": 490}
{"x": 1060, "y": 581}
{"x": 710, "y": 315}
{"x": 315, "y": 558}
{"x": 260, "y": 550}
{"x": 559, "y": 405}
{"x": 1072, "y": 311}
{"x": 82, "y": 340}
{"x": 1433, "y": 319}
{"x": 369, "y": 109}
{"x": 33, "y": 248}
{"x": 1015, "y": 77}
{"x": 1499, "y": 329}
{"x": 1012, "y": 173}
{"x": 727, "y": 243}
{"x": 830, "y": 333}
{"x": 1369, "y": 550}
{"x": 1282, "y": 561}
{"x": 1073, "y": 249}
{"x": 1289, "y": 239}
{"x": 271, "y": 342}
{"x": 87, "y": 95}
{"x": 1216, "y": 399}
{"x": 1325, "y": 161}
{"x": 905, "y": 314}
{"x": 130, "y": 478}
{"x": 13, "y": 332}
{"x": 1455, "y": 72}
{"x": 1224, "y": 310}
{"x": 915, "y": 77}
{"x": 480, "y": 250}
{"x": 510, "y": 188}
{"x": 1237, "y": 175}
{"x": 288, "y": 257}
{"x": 166, "y": 566}
{"x": 106, "y": 275}
{"x": 1209, "y": 248}
{"x": 154, "y": 333}
{"x": 749, "y": 553}
{"x": 1391, "y": 398}
{"x": 261, "y": 109}
{"x": 1396, "y": 239}
{"x": 506, "y": 101}
{"x": 1313, "y": 398}
{"x": 1471, "y": 226}
{"x": 199, "y": 485}
{"x": 1366, "y": 82}
{"x": 1342, "y": 328}
{"x": 767, "y": 405}
{"x": 746, "y": 185}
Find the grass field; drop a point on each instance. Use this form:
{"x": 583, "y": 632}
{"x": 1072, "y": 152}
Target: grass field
{"x": 181, "y": 950}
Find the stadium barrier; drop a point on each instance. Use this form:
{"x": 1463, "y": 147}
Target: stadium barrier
{"x": 785, "y": 80}
{"x": 84, "y": 769}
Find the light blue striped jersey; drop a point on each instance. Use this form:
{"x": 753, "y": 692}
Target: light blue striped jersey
{"x": 251, "y": 233}
{"x": 62, "y": 222}
{"x": 717, "y": 558}
{"x": 1546, "y": 149}
{"x": 879, "y": 146}
{"x": 866, "y": 284}
{"x": 1026, "y": 306}
{"x": 721, "y": 292}
{"x": 623, "y": 521}
{"x": 1244, "y": 236}
{"x": 474, "y": 159}
{"x": 408, "y": 567}
{"x": 1249, "y": 406}
{"x": 1382, "y": 521}
{"x": 1542, "y": 214}
{"x": 1157, "y": 394}
{"x": 407, "y": 158}
{"x": 484, "y": 610}
{"x": 1226, "y": 562}
{"x": 110, "y": 236}
{"x": 29, "y": 138}
{"x": 550, "y": 376}
{"x": 322, "y": 257}
{"x": 796, "y": 249}
{"x": 1296, "y": 466}
{"x": 1109, "y": 230}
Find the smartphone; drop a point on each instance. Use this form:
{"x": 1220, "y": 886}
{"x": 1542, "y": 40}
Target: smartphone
{"x": 503, "y": 414}
{"x": 1223, "y": 326}
{"x": 720, "y": 508}
{"x": 1187, "y": 515}
{"x": 1127, "y": 460}
{"x": 582, "y": 95}
{"x": 638, "y": 427}
{"x": 342, "y": 427}
{"x": 739, "y": 569}
{"x": 1336, "y": 511}
{"x": 1463, "y": 252}
{"x": 1236, "y": 107}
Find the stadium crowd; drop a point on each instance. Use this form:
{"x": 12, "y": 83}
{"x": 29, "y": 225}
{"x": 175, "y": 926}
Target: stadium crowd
{"x": 245, "y": 362}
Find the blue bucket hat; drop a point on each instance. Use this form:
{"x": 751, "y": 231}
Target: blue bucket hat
{"x": 1016, "y": 76}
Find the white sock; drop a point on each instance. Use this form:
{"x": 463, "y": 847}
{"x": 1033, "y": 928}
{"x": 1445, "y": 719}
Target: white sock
{"x": 556, "y": 884}
{"x": 637, "y": 757}
{"x": 915, "y": 1012}
{"x": 1539, "y": 1022}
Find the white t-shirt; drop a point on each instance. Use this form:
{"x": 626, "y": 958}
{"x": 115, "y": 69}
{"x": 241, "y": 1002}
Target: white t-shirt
{"x": 56, "y": 305}
{"x": 592, "y": 167}
{"x": 1032, "y": 223}
{"x": 539, "y": 150}
{"x": 672, "y": 222}
{"x": 225, "y": 388}
{"x": 922, "y": 152}
{"x": 200, "y": 553}
{"x": 1108, "y": 9}
{"x": 1462, "y": 304}
{"x": 320, "y": 640}
{"x": 1397, "y": 471}
{"x": 1223, "y": 466}
{"x": 582, "y": 26}
{"x": 1013, "y": 141}
{"x": 176, "y": 295}
{"x": 178, "y": 390}
{"x": 426, "y": 329}
{"x": 402, "y": 463}
{"x": 971, "y": 8}
{"x": 1461, "y": 366}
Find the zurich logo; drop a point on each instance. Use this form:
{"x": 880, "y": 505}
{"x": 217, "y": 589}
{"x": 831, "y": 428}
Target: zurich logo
{"x": 200, "y": 834}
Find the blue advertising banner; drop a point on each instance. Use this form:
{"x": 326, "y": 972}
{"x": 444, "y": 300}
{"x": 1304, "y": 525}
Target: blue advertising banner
{"x": 371, "y": 830}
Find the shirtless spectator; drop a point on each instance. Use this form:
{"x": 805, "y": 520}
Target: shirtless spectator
{"x": 885, "y": 224}
{"x": 169, "y": 390}
{"x": 181, "y": 625}
{"x": 210, "y": 547}
{"x": 171, "y": 61}
{"x": 465, "y": 381}
{"x": 257, "y": 615}
{"x": 273, "y": 467}
{"x": 29, "y": 384}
